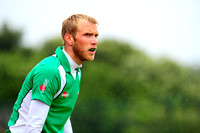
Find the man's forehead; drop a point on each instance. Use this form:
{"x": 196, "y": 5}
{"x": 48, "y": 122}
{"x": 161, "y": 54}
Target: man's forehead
{"x": 86, "y": 25}
{"x": 82, "y": 22}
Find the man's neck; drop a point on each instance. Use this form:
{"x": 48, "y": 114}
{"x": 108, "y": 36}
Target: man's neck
{"x": 72, "y": 63}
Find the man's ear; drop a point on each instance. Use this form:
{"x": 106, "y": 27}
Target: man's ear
{"x": 69, "y": 39}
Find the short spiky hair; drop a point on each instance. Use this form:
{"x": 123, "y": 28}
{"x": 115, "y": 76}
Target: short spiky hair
{"x": 70, "y": 24}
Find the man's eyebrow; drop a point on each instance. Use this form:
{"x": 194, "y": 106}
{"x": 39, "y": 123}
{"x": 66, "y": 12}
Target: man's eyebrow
{"x": 90, "y": 33}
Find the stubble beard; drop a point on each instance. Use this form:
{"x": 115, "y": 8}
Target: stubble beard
{"x": 82, "y": 55}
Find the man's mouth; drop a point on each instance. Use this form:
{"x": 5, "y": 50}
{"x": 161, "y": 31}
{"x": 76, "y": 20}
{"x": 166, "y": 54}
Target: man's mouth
{"x": 92, "y": 49}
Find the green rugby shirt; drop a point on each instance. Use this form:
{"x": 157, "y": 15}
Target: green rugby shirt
{"x": 52, "y": 83}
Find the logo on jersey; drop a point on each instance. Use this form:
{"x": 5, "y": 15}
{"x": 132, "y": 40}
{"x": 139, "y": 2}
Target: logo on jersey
{"x": 43, "y": 86}
{"x": 65, "y": 94}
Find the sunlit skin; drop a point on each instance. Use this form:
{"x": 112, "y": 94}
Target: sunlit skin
{"x": 84, "y": 46}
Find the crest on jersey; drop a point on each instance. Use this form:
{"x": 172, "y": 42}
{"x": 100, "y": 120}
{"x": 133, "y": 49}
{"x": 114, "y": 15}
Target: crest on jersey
{"x": 43, "y": 87}
{"x": 65, "y": 94}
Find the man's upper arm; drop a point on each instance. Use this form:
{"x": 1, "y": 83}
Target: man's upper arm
{"x": 36, "y": 116}
{"x": 46, "y": 83}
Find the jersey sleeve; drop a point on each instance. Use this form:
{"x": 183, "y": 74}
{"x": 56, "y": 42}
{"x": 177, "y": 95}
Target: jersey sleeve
{"x": 36, "y": 116}
{"x": 46, "y": 83}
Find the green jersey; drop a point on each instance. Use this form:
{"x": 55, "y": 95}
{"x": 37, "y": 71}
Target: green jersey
{"x": 51, "y": 82}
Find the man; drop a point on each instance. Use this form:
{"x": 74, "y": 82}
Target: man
{"x": 49, "y": 92}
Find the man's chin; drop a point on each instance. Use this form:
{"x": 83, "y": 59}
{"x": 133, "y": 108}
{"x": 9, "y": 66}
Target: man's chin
{"x": 90, "y": 59}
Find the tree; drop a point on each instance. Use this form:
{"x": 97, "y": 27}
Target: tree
{"x": 125, "y": 91}
{"x": 51, "y": 45}
{"x": 9, "y": 38}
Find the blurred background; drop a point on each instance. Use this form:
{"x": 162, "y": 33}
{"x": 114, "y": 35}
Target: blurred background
{"x": 146, "y": 74}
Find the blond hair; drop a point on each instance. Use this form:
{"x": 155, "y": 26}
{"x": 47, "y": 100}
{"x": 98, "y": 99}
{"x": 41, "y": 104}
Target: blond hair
{"x": 70, "y": 25}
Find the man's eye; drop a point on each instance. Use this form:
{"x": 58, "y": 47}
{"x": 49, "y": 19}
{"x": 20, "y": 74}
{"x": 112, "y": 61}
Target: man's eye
{"x": 87, "y": 34}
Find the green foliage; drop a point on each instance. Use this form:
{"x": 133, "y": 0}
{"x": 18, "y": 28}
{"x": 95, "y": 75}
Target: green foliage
{"x": 13, "y": 69}
{"x": 9, "y": 39}
{"x": 122, "y": 91}
{"x": 51, "y": 45}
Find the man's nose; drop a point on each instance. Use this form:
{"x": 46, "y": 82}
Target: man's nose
{"x": 94, "y": 41}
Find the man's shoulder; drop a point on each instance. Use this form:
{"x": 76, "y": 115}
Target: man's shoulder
{"x": 49, "y": 64}
{"x": 51, "y": 61}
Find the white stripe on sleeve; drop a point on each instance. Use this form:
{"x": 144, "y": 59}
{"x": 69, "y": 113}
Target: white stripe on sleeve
{"x": 36, "y": 116}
